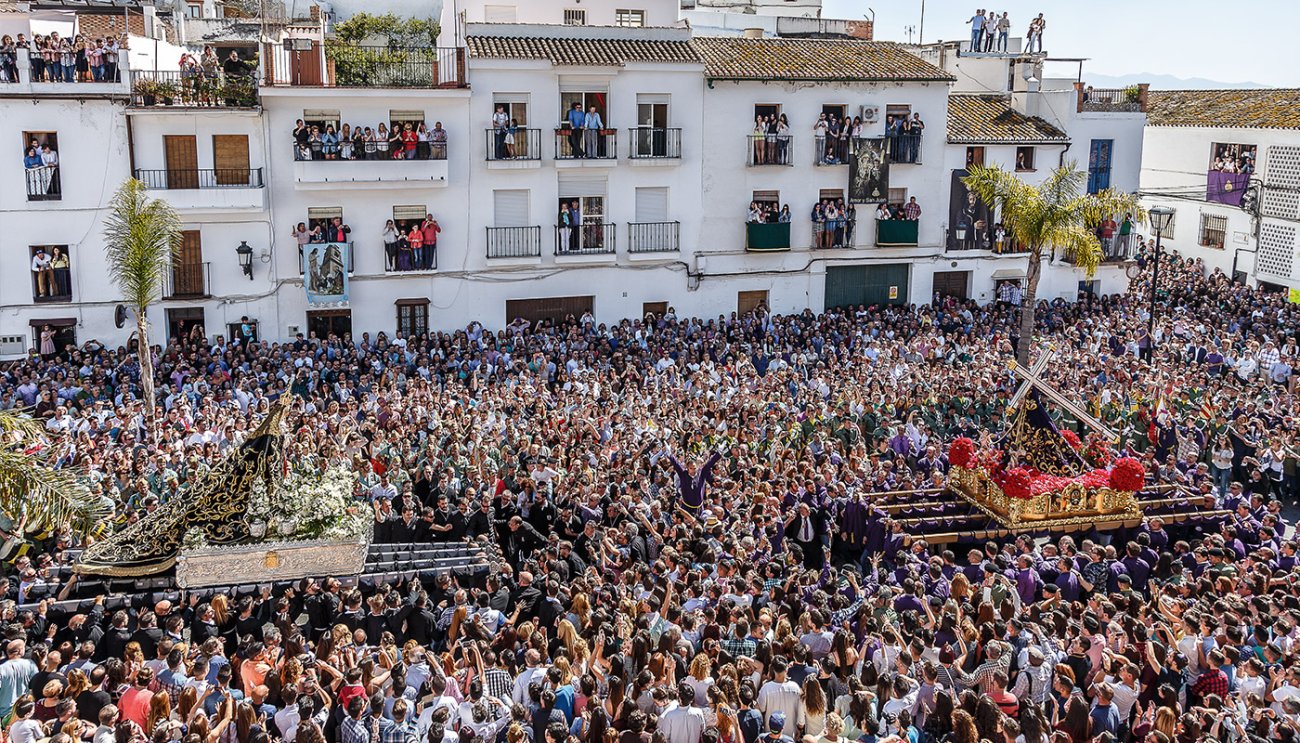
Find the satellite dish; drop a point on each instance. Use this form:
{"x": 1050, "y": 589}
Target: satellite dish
{"x": 119, "y": 315}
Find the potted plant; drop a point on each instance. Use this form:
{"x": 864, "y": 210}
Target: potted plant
{"x": 167, "y": 92}
{"x": 1133, "y": 94}
{"x": 148, "y": 91}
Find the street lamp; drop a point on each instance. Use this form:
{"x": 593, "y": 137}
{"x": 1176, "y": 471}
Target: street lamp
{"x": 1160, "y": 216}
{"x": 245, "y": 258}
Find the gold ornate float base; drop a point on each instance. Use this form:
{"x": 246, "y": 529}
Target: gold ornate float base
{"x": 1073, "y": 505}
{"x": 265, "y": 562}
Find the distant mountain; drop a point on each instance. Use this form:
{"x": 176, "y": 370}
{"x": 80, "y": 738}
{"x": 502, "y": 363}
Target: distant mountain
{"x": 1162, "y": 82}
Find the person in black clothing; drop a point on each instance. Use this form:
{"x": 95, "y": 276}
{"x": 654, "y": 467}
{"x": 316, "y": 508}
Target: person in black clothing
{"x": 441, "y": 525}
{"x": 405, "y": 529}
{"x": 415, "y": 620}
{"x": 148, "y": 635}
{"x": 525, "y": 597}
{"x": 320, "y": 604}
{"x": 480, "y": 523}
{"x": 115, "y": 639}
{"x": 519, "y": 540}
{"x": 253, "y": 615}
{"x": 459, "y": 522}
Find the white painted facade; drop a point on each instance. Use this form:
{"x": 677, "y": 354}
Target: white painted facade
{"x": 456, "y": 14}
{"x": 707, "y": 189}
{"x": 1174, "y": 172}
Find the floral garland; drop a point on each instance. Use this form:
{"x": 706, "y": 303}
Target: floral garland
{"x": 1025, "y": 483}
{"x": 1072, "y": 439}
{"x": 1127, "y": 474}
{"x": 961, "y": 452}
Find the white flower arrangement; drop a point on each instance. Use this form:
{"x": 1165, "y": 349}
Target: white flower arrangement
{"x": 307, "y": 505}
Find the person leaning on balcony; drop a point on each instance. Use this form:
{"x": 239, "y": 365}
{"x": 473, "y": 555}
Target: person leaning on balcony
{"x": 422, "y": 142}
{"x": 912, "y": 210}
{"x": 346, "y": 146}
{"x": 32, "y": 159}
{"x": 95, "y": 60}
{"x": 396, "y": 146}
{"x": 575, "y": 119}
{"x": 430, "y": 229}
{"x": 330, "y": 143}
{"x": 439, "y": 138}
{"x": 336, "y": 231}
{"x": 8, "y": 59}
{"x": 784, "y": 216}
{"x": 500, "y": 125}
{"x": 591, "y": 126}
{"x": 883, "y": 213}
{"x": 415, "y": 239}
{"x": 43, "y": 269}
{"x": 409, "y": 141}
{"x": 390, "y": 238}
{"x": 111, "y": 50}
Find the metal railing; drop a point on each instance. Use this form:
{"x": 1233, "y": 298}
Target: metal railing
{"x": 193, "y": 88}
{"x": 189, "y": 179}
{"x": 21, "y": 66}
{"x": 349, "y": 150}
{"x": 832, "y": 150}
{"x": 43, "y": 183}
{"x": 653, "y": 237}
{"x": 514, "y": 242}
{"x": 834, "y": 233}
{"x": 586, "y": 144}
{"x": 53, "y": 286}
{"x": 344, "y": 65}
{"x": 596, "y": 238}
{"x": 188, "y": 280}
{"x": 1121, "y": 100}
{"x": 904, "y": 149}
{"x": 514, "y": 144}
{"x": 769, "y": 149}
{"x": 408, "y": 259}
{"x": 654, "y": 143}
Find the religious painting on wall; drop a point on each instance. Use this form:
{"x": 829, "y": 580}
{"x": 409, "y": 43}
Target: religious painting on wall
{"x": 970, "y": 220}
{"x": 869, "y": 173}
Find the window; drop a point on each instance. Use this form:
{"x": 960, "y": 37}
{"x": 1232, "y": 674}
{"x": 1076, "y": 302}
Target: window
{"x": 510, "y": 208}
{"x": 320, "y": 220}
{"x": 1024, "y": 158}
{"x": 588, "y": 101}
{"x": 41, "y": 162}
{"x": 321, "y": 117}
{"x": 575, "y": 17}
{"x": 633, "y": 18}
{"x": 51, "y": 273}
{"x": 1168, "y": 232}
{"x": 244, "y": 331}
{"x": 767, "y": 110}
{"x": 193, "y": 10}
{"x": 407, "y": 216}
{"x": 768, "y": 200}
{"x": 515, "y": 105}
{"x": 898, "y": 196}
{"x": 974, "y": 156}
{"x": 1099, "y": 152}
{"x": 749, "y": 301}
{"x": 1214, "y": 230}
{"x": 412, "y": 317}
{"x": 61, "y": 332}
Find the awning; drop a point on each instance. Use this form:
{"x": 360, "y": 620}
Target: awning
{"x": 54, "y": 322}
{"x": 1008, "y": 273}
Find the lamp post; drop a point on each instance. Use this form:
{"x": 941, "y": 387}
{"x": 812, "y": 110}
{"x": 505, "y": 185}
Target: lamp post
{"x": 1160, "y": 216}
{"x": 245, "y": 258}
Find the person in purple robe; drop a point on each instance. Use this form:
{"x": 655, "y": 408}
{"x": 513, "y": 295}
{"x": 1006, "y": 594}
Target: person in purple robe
{"x": 1028, "y": 581}
{"x": 692, "y": 481}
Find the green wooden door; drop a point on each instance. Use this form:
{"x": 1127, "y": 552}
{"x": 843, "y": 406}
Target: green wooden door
{"x": 855, "y": 285}
{"x": 844, "y": 286}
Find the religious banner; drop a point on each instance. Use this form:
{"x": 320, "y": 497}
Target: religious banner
{"x": 869, "y": 173}
{"x": 970, "y": 220}
{"x": 324, "y": 272}
{"x": 1228, "y": 175}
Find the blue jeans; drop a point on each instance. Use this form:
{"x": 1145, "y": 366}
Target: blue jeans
{"x": 976, "y": 35}
{"x": 68, "y": 72}
{"x": 97, "y": 72}
{"x": 56, "y": 71}
{"x": 1222, "y": 479}
{"x": 1002, "y": 41}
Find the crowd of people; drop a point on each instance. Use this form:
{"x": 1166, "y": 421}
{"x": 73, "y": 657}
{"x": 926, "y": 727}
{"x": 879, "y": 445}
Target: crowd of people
{"x": 697, "y": 549}
{"x": 833, "y": 223}
{"x": 989, "y": 32}
{"x": 398, "y": 140}
{"x": 53, "y": 59}
{"x": 41, "y": 166}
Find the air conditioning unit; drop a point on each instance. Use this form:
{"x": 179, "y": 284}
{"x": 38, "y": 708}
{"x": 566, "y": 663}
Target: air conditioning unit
{"x": 292, "y": 330}
{"x": 297, "y": 45}
{"x": 870, "y": 113}
{"x": 13, "y": 345}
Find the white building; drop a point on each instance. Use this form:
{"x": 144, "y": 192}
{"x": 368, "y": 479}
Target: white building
{"x": 663, "y": 189}
{"x": 1228, "y": 163}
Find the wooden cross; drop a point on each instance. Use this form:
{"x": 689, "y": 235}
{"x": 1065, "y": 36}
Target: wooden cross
{"x": 1032, "y": 380}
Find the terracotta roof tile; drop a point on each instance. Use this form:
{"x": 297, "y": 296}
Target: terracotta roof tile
{"x": 990, "y": 118}
{"x": 738, "y": 58}
{"x": 582, "y": 52}
{"x": 1263, "y": 108}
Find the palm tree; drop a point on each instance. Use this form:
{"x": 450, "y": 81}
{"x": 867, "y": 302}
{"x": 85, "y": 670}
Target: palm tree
{"x": 141, "y": 237}
{"x": 34, "y": 496}
{"x": 1056, "y": 214}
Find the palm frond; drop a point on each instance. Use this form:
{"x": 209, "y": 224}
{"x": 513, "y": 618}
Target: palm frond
{"x": 34, "y": 493}
{"x": 1079, "y": 244}
{"x": 141, "y": 237}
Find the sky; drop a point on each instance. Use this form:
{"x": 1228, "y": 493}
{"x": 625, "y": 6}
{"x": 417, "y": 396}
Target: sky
{"x": 1246, "y": 40}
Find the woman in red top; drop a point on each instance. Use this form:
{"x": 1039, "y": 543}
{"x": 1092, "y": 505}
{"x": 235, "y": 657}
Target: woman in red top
{"x": 416, "y": 240}
{"x": 409, "y": 139}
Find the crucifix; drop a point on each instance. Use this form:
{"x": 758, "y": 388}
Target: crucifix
{"x": 1032, "y": 380}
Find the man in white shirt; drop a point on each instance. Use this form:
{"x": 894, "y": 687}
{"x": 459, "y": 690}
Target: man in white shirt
{"x": 782, "y": 695}
{"x": 533, "y": 672}
{"x": 683, "y": 722}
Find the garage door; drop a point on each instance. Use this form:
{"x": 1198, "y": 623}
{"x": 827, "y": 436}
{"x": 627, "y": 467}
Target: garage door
{"x": 855, "y": 285}
{"x": 548, "y": 308}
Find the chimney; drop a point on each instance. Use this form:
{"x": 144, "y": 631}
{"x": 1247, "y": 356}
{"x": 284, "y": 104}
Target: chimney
{"x": 753, "y": 33}
{"x": 861, "y": 30}
{"x": 315, "y": 13}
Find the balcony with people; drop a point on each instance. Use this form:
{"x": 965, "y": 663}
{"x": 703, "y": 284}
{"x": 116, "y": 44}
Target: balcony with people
{"x": 898, "y": 225}
{"x": 584, "y": 138}
{"x": 834, "y": 224}
{"x": 767, "y": 228}
{"x": 41, "y": 166}
{"x": 54, "y": 64}
{"x": 205, "y": 81}
{"x": 207, "y": 189}
{"x": 392, "y": 154}
{"x": 344, "y": 63}
{"x": 585, "y": 238}
{"x": 510, "y": 144}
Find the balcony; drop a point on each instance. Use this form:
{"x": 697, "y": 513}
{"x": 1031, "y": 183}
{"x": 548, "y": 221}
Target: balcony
{"x": 769, "y": 149}
{"x": 584, "y": 146}
{"x": 647, "y": 143}
{"x": 518, "y": 147}
{"x": 653, "y": 237}
{"x": 315, "y": 169}
{"x": 188, "y": 281}
{"x": 21, "y": 79}
{"x": 897, "y": 233}
{"x": 208, "y": 190}
{"x": 833, "y": 233}
{"x": 1132, "y": 99}
{"x": 43, "y": 183}
{"x": 514, "y": 242}
{"x": 310, "y": 64}
{"x": 832, "y": 150}
{"x": 596, "y": 238}
{"x": 192, "y": 90}
{"x": 904, "y": 149}
{"x": 761, "y": 238}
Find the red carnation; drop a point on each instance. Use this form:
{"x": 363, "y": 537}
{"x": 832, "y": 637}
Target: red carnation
{"x": 961, "y": 452}
{"x": 1127, "y": 474}
{"x": 1072, "y": 439}
{"x": 1018, "y": 483}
